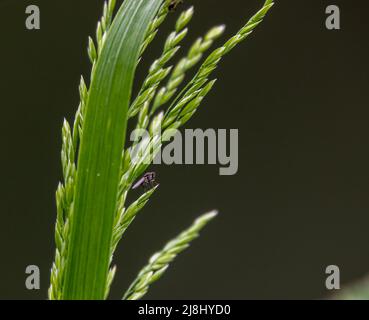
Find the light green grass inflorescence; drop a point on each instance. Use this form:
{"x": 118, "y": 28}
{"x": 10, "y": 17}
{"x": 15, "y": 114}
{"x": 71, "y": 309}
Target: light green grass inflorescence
{"x": 163, "y": 103}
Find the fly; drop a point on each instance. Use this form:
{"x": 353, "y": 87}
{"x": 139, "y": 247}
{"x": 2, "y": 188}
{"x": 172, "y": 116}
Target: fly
{"x": 147, "y": 181}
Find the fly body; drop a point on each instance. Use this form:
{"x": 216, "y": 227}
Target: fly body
{"x": 147, "y": 181}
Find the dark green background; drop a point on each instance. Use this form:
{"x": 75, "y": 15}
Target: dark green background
{"x": 297, "y": 92}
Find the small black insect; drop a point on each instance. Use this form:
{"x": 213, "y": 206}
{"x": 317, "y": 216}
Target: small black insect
{"x": 147, "y": 181}
{"x": 174, "y": 4}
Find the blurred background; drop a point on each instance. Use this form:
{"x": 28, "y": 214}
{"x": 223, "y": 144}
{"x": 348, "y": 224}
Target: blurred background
{"x": 297, "y": 92}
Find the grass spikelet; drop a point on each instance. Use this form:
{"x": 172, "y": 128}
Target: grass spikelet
{"x": 160, "y": 261}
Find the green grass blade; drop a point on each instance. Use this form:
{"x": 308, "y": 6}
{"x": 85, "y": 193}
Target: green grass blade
{"x": 355, "y": 291}
{"x": 102, "y": 142}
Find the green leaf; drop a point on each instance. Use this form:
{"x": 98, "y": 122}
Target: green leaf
{"x": 99, "y": 158}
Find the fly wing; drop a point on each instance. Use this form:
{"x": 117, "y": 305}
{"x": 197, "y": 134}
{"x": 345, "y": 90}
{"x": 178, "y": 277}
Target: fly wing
{"x": 138, "y": 183}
